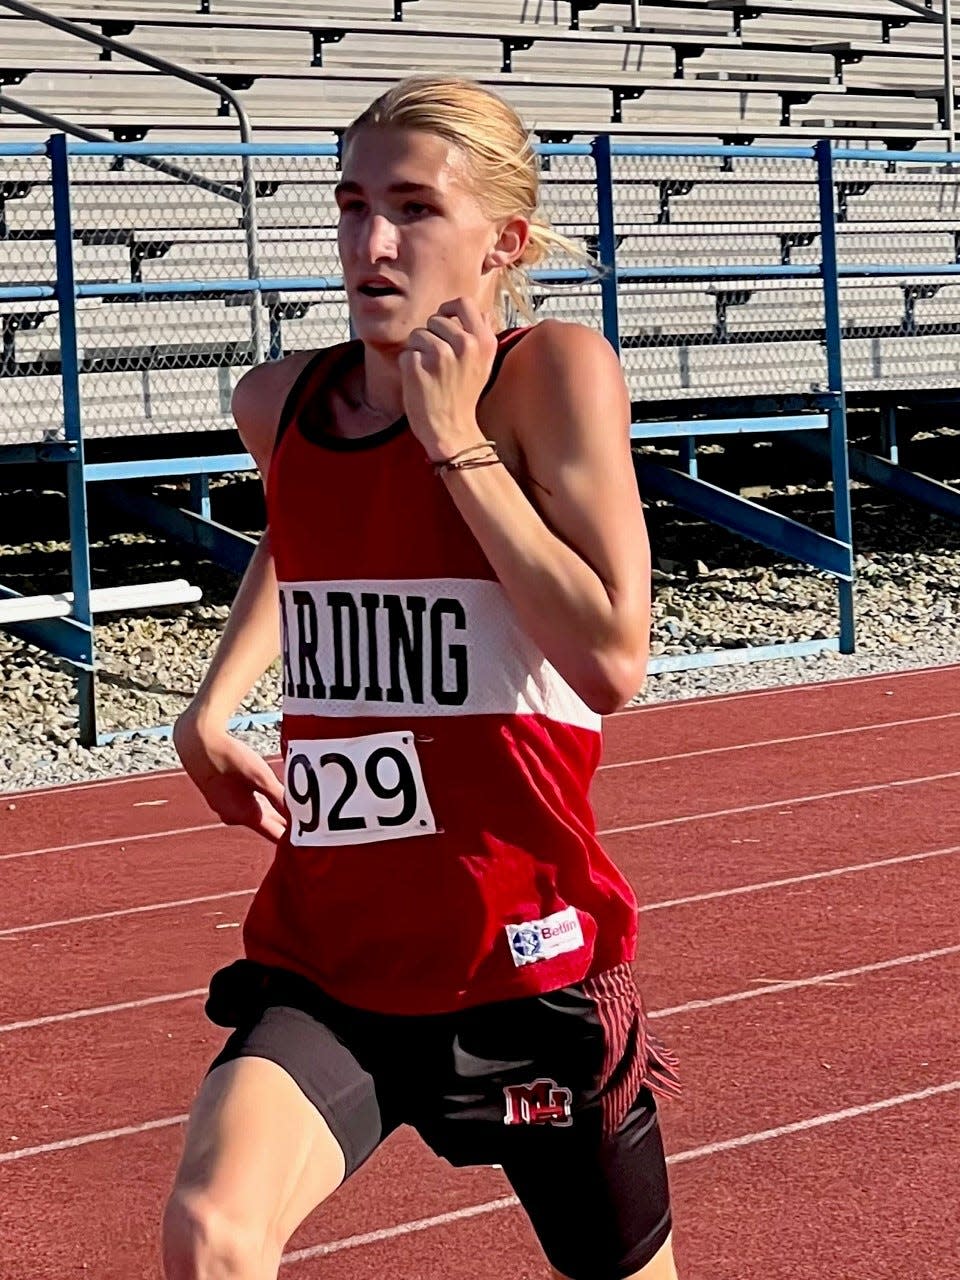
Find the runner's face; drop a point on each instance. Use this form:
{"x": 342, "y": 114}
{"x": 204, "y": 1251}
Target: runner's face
{"x": 411, "y": 235}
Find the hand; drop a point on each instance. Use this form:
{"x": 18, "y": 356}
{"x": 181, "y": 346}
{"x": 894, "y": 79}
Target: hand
{"x": 237, "y": 784}
{"x": 444, "y": 370}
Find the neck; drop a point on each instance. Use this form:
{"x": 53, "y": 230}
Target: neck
{"x": 382, "y": 387}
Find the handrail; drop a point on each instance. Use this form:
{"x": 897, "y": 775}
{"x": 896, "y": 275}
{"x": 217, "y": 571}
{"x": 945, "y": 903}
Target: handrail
{"x": 922, "y": 11}
{"x": 949, "y": 118}
{"x": 199, "y": 81}
{"x": 945, "y": 18}
{"x": 228, "y": 192}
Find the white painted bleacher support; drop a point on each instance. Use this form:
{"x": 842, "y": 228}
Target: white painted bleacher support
{"x": 143, "y": 595}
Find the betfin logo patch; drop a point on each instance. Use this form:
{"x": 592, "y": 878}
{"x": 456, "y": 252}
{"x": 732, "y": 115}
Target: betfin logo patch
{"x": 535, "y": 940}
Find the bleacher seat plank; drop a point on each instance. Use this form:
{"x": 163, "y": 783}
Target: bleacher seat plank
{"x": 148, "y": 595}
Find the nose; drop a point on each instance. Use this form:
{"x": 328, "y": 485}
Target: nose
{"x": 381, "y": 238}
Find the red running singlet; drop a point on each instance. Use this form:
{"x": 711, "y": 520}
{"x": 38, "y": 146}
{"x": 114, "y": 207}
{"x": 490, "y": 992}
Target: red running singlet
{"x": 441, "y": 850}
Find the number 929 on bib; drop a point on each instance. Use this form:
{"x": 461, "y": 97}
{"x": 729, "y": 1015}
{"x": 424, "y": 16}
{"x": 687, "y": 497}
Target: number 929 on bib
{"x": 356, "y": 790}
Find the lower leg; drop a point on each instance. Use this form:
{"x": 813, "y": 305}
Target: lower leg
{"x": 200, "y": 1242}
{"x": 660, "y": 1267}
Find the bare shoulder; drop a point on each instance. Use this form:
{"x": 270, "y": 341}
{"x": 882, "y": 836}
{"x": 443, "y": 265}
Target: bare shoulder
{"x": 258, "y": 399}
{"x": 561, "y": 344}
{"x": 564, "y": 373}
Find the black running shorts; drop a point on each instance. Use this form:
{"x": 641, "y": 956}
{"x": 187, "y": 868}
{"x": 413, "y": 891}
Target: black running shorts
{"x": 555, "y": 1088}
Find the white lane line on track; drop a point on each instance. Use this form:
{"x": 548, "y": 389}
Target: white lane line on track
{"x": 670, "y": 705}
{"x": 401, "y": 1229}
{"x": 123, "y": 779}
{"x": 778, "y": 742}
{"x": 608, "y": 831}
{"x": 109, "y": 840}
{"x": 39, "y": 793}
{"x": 814, "y": 1122}
{"x": 82, "y": 1140}
{"x": 125, "y": 911}
{"x": 678, "y": 704}
{"x": 808, "y": 877}
{"x": 754, "y": 992}
{"x": 404, "y": 1228}
{"x": 784, "y": 803}
{"x": 85, "y": 1139}
{"x": 679, "y": 1157}
{"x": 780, "y": 690}
{"x": 815, "y": 980}
{"x": 99, "y": 1010}
{"x": 734, "y": 891}
{"x": 622, "y": 764}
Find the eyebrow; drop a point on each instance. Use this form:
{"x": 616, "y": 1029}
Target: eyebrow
{"x": 395, "y": 189}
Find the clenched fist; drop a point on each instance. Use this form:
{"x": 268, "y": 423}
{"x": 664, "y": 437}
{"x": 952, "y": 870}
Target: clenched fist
{"x": 444, "y": 370}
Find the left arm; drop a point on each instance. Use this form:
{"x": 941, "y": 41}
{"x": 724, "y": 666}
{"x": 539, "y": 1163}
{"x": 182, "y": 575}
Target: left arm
{"x": 576, "y": 567}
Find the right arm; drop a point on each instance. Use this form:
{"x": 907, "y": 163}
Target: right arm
{"x": 236, "y": 782}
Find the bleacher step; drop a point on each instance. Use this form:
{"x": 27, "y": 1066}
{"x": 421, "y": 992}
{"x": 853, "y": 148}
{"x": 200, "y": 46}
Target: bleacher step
{"x": 145, "y": 595}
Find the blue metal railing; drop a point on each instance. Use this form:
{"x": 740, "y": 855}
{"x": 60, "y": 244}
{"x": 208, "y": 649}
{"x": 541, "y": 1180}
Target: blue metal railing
{"x": 842, "y": 518}
{"x": 823, "y": 413}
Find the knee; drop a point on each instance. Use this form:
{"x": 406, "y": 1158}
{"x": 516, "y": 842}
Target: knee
{"x": 200, "y": 1241}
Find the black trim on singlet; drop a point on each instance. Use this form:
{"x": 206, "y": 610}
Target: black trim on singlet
{"x": 315, "y": 433}
{"x": 292, "y": 402}
{"x": 295, "y": 402}
{"x": 506, "y": 342}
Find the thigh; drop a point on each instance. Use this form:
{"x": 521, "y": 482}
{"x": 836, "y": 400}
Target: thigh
{"x": 257, "y": 1154}
{"x": 600, "y": 1207}
{"x": 285, "y": 1114}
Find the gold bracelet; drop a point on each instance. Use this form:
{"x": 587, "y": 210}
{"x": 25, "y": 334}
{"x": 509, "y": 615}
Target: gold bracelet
{"x": 483, "y": 454}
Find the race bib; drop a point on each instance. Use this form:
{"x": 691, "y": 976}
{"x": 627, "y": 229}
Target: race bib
{"x": 356, "y": 790}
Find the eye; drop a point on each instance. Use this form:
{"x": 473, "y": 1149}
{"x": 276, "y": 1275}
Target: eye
{"x": 351, "y": 205}
{"x": 416, "y": 209}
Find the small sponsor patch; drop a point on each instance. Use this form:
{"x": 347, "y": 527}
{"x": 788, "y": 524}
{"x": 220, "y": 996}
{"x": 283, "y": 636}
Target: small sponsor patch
{"x": 540, "y": 1102}
{"x": 543, "y": 939}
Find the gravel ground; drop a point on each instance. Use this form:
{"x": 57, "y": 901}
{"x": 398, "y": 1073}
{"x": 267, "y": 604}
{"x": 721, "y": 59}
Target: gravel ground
{"x": 711, "y": 592}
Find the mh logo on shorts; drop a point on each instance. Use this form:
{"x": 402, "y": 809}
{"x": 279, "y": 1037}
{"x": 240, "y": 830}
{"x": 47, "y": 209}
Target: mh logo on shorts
{"x": 541, "y": 1102}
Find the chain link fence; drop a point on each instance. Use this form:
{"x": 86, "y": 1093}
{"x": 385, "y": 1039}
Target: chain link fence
{"x": 31, "y": 406}
{"x": 167, "y": 363}
{"x": 568, "y": 188}
{"x": 719, "y": 290}
{"x": 901, "y": 323}
{"x": 153, "y": 362}
{"x": 711, "y": 306}
{"x": 719, "y": 252}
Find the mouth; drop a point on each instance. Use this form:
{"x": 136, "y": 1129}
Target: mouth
{"x": 378, "y": 288}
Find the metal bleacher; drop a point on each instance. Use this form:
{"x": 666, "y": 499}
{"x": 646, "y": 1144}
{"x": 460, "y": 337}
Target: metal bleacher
{"x": 718, "y": 250}
{"x": 303, "y": 70}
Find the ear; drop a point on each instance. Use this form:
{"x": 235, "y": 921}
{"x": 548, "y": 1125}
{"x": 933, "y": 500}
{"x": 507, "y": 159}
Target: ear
{"x": 510, "y": 246}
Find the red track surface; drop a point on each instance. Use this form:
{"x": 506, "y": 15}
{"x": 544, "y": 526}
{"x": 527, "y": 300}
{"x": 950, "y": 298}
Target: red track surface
{"x": 796, "y": 852}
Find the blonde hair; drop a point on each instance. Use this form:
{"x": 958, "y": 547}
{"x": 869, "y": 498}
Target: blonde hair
{"x": 502, "y": 163}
